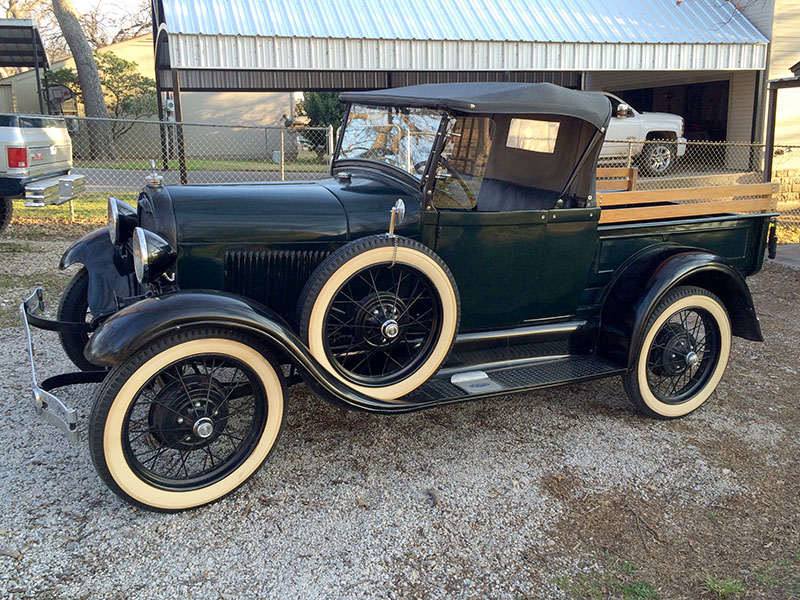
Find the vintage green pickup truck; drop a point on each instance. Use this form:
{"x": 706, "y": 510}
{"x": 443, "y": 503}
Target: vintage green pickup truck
{"x": 460, "y": 250}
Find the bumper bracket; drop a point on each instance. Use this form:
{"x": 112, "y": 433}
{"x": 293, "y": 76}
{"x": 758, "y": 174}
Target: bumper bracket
{"x": 46, "y": 404}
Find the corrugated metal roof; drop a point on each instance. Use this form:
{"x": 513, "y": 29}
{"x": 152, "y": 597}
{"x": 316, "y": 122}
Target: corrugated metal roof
{"x": 21, "y": 44}
{"x": 576, "y": 21}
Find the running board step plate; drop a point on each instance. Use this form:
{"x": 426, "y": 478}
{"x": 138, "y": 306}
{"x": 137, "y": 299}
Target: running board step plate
{"x": 509, "y": 380}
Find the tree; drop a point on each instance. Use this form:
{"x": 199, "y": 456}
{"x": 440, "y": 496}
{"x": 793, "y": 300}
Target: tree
{"x": 100, "y": 139}
{"x": 127, "y": 93}
{"x": 321, "y": 108}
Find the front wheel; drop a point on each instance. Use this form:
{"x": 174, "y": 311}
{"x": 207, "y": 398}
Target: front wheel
{"x": 682, "y": 356}
{"x": 658, "y": 157}
{"x": 186, "y": 420}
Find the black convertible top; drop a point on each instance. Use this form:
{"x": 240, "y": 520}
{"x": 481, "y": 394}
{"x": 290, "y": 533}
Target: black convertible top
{"x": 493, "y": 98}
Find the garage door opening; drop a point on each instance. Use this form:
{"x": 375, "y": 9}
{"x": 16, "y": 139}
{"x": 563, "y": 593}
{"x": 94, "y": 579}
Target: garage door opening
{"x": 703, "y": 106}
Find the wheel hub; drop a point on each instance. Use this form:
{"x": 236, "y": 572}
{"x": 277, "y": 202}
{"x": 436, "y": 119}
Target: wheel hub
{"x": 203, "y": 428}
{"x": 390, "y": 329}
{"x": 378, "y": 321}
{"x": 677, "y": 351}
{"x": 189, "y": 412}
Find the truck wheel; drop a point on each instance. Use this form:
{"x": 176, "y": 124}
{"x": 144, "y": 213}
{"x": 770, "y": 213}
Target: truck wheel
{"x": 658, "y": 157}
{"x": 6, "y": 210}
{"x": 682, "y": 356}
{"x": 74, "y": 307}
{"x": 380, "y": 314}
{"x": 187, "y": 419}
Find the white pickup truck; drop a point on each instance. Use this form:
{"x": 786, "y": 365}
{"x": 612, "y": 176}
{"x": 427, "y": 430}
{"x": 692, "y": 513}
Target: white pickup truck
{"x": 35, "y": 163}
{"x": 629, "y": 125}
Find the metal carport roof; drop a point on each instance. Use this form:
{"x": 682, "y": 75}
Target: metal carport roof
{"x": 21, "y": 45}
{"x": 364, "y": 37}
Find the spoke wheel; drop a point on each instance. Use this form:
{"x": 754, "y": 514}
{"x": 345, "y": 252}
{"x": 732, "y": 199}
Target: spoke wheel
{"x": 194, "y": 422}
{"x": 380, "y": 314}
{"x": 683, "y": 354}
{"x": 382, "y": 323}
{"x": 187, "y": 419}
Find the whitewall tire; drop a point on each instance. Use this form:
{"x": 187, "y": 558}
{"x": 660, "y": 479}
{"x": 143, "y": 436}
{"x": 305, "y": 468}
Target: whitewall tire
{"x": 187, "y": 420}
{"x": 683, "y": 354}
{"x": 380, "y": 314}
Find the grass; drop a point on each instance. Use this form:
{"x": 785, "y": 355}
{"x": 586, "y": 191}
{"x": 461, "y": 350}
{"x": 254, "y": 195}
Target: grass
{"x": 614, "y": 578}
{"x": 307, "y": 162}
{"x": 725, "y": 589}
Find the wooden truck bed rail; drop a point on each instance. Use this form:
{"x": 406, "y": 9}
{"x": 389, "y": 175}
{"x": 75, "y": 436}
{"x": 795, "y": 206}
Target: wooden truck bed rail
{"x": 648, "y": 205}
{"x": 617, "y": 179}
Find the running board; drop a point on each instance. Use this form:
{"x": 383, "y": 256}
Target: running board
{"x": 474, "y": 383}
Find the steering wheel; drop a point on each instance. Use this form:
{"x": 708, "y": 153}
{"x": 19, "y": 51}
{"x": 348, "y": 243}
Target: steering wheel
{"x": 459, "y": 178}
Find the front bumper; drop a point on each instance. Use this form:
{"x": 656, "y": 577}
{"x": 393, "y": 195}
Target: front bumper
{"x": 681, "y": 146}
{"x": 45, "y": 403}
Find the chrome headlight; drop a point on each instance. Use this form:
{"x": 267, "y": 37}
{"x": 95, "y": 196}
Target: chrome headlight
{"x": 121, "y": 220}
{"x": 152, "y": 254}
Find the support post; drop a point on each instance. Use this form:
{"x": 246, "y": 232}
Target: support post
{"x": 38, "y": 72}
{"x": 176, "y": 97}
{"x": 162, "y": 130}
{"x": 331, "y": 147}
{"x": 769, "y": 146}
{"x": 283, "y": 161}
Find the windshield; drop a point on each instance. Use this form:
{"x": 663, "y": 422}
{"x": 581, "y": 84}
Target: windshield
{"x": 400, "y": 137}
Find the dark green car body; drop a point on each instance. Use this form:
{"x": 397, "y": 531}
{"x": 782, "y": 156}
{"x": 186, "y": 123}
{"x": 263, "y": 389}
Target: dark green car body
{"x": 540, "y": 283}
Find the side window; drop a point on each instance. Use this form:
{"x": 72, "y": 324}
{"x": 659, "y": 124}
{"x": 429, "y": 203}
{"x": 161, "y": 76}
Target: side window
{"x": 462, "y": 165}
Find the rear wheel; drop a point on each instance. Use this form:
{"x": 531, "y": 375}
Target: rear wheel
{"x": 6, "y": 210}
{"x": 682, "y": 356}
{"x": 187, "y": 419}
{"x": 380, "y": 314}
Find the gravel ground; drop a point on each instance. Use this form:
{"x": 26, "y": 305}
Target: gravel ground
{"x": 553, "y": 494}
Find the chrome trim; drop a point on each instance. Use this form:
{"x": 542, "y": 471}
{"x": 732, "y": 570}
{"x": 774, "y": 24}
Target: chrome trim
{"x": 531, "y": 331}
{"x": 46, "y": 404}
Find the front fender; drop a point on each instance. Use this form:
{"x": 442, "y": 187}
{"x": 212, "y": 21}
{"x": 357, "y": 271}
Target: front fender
{"x": 639, "y": 288}
{"x": 110, "y": 275}
{"x": 133, "y": 327}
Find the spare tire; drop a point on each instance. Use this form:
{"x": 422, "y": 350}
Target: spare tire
{"x": 380, "y": 314}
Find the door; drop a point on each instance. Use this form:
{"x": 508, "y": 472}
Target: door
{"x": 495, "y": 258}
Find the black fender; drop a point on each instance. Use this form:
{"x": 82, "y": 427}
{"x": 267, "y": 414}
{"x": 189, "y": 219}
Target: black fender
{"x": 110, "y": 273}
{"x": 138, "y": 324}
{"x": 639, "y": 287}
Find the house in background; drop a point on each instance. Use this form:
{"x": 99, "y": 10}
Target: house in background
{"x": 241, "y": 108}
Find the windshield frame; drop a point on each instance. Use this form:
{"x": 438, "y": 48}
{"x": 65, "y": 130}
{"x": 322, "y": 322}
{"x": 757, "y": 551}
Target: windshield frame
{"x": 338, "y": 164}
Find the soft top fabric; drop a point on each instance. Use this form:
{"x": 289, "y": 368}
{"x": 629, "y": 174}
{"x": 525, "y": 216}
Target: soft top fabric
{"x": 493, "y": 98}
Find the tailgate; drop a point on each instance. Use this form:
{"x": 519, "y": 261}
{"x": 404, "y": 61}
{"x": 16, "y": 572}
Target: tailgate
{"x": 48, "y": 145}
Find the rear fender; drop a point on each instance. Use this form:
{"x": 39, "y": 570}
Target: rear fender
{"x": 640, "y": 286}
{"x": 135, "y": 326}
{"x": 110, "y": 274}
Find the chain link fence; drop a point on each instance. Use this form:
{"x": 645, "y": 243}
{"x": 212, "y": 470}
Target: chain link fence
{"x": 197, "y": 153}
{"x": 665, "y": 164}
{"x": 204, "y": 153}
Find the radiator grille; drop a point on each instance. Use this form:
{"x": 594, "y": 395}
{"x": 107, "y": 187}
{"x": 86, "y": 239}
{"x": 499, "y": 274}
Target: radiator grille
{"x": 273, "y": 277}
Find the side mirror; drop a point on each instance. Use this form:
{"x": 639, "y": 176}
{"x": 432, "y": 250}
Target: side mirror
{"x": 623, "y": 111}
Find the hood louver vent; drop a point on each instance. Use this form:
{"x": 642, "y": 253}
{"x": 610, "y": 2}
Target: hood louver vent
{"x": 273, "y": 277}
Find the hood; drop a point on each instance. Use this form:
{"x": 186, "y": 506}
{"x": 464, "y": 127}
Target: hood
{"x": 257, "y": 213}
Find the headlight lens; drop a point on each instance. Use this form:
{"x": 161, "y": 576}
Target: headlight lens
{"x": 121, "y": 220}
{"x": 152, "y": 254}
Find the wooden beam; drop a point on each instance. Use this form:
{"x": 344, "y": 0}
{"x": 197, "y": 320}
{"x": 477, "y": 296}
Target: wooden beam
{"x": 650, "y": 213}
{"x": 680, "y": 194}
